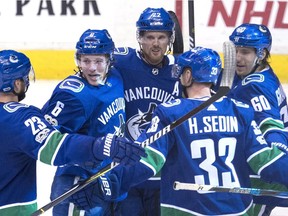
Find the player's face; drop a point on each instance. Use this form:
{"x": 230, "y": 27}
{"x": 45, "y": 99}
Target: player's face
{"x": 94, "y": 68}
{"x": 246, "y": 58}
{"x": 154, "y": 46}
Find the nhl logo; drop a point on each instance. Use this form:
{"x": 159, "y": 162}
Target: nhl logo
{"x": 155, "y": 71}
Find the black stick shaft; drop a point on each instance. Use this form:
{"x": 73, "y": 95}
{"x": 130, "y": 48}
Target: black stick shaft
{"x": 191, "y": 24}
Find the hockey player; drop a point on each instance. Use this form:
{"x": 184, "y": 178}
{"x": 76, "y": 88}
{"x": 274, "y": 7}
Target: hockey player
{"x": 148, "y": 82}
{"x": 27, "y": 137}
{"x": 202, "y": 150}
{"x": 263, "y": 91}
{"x": 90, "y": 102}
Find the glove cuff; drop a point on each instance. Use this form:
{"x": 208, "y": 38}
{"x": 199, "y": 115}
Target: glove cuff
{"x": 103, "y": 147}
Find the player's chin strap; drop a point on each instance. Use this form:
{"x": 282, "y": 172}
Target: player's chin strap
{"x": 169, "y": 49}
{"x": 257, "y": 62}
{"x": 256, "y": 65}
{"x": 102, "y": 80}
{"x": 170, "y": 45}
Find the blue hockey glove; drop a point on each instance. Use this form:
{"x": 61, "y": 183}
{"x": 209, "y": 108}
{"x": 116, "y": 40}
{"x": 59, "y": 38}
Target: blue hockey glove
{"x": 119, "y": 149}
{"x": 98, "y": 193}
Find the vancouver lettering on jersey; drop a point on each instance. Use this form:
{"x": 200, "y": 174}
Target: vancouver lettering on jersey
{"x": 112, "y": 109}
{"x": 213, "y": 124}
{"x": 148, "y": 92}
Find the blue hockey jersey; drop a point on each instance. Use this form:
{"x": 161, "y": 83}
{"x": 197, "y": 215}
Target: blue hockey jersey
{"x": 78, "y": 107}
{"x": 264, "y": 92}
{"x": 26, "y": 137}
{"x": 144, "y": 87}
{"x": 218, "y": 146}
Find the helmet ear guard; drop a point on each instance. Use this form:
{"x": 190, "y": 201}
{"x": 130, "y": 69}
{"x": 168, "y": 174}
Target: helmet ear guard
{"x": 138, "y": 37}
{"x": 172, "y": 37}
{"x": 76, "y": 58}
{"x": 261, "y": 53}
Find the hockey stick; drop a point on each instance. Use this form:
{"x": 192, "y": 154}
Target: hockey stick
{"x": 178, "y": 45}
{"x": 226, "y": 83}
{"x": 191, "y": 24}
{"x": 240, "y": 190}
{"x": 73, "y": 190}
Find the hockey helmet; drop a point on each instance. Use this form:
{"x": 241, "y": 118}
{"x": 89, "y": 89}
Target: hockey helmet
{"x": 95, "y": 42}
{"x": 254, "y": 36}
{"x": 204, "y": 63}
{"x": 155, "y": 19}
{"x": 14, "y": 65}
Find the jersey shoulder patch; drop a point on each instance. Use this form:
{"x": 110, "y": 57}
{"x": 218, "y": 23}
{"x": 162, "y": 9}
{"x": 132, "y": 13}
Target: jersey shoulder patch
{"x": 171, "y": 103}
{"x": 13, "y": 106}
{"x": 71, "y": 84}
{"x": 239, "y": 103}
{"x": 121, "y": 51}
{"x": 171, "y": 59}
{"x": 256, "y": 77}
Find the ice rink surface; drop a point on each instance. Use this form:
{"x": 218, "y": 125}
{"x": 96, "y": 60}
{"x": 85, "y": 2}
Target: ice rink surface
{"x": 38, "y": 93}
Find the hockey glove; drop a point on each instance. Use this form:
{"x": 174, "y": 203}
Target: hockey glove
{"x": 119, "y": 149}
{"x": 98, "y": 193}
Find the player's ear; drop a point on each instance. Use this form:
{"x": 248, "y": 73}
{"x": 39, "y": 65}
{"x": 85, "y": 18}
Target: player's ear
{"x": 17, "y": 85}
{"x": 186, "y": 77}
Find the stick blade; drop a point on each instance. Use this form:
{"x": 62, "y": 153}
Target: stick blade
{"x": 239, "y": 190}
{"x": 229, "y": 52}
{"x": 188, "y": 186}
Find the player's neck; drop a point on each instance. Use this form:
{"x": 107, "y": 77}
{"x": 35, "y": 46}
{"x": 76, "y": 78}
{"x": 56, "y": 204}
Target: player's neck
{"x": 198, "y": 91}
{"x": 8, "y": 97}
